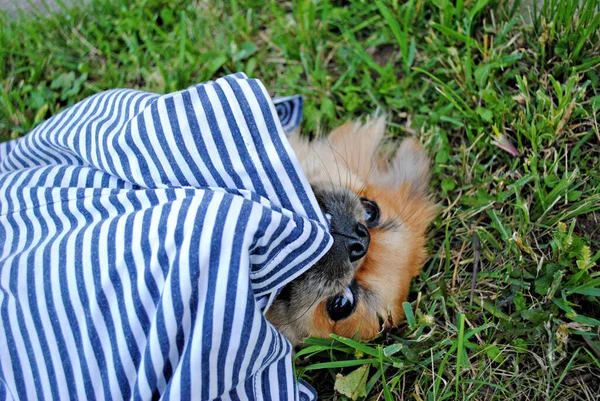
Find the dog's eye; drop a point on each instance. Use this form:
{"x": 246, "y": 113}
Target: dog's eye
{"x": 342, "y": 305}
{"x": 371, "y": 212}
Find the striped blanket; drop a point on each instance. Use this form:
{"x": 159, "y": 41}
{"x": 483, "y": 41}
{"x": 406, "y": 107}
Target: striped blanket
{"x": 142, "y": 237}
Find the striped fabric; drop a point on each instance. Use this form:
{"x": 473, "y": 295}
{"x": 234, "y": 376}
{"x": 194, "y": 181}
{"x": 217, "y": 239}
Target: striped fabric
{"x": 141, "y": 239}
{"x": 289, "y": 111}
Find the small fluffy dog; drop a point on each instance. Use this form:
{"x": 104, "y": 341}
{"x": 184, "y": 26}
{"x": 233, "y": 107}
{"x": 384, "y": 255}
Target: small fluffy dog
{"x": 379, "y": 211}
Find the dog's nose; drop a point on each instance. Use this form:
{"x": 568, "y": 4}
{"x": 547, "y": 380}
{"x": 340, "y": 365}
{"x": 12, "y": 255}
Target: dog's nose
{"x": 358, "y": 243}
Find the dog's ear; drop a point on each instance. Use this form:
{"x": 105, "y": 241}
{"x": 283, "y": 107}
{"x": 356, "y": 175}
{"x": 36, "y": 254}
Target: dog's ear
{"x": 357, "y": 145}
{"x": 410, "y": 165}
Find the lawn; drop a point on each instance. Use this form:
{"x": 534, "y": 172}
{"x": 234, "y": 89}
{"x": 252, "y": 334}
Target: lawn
{"x": 504, "y": 96}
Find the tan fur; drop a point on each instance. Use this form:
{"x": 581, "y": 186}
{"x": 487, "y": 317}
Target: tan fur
{"x": 351, "y": 157}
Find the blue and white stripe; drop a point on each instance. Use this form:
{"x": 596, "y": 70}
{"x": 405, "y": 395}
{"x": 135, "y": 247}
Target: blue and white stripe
{"x": 142, "y": 238}
{"x": 289, "y": 111}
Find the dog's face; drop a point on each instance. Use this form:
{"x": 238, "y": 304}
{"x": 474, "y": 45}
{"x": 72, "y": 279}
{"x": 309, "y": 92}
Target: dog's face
{"x": 379, "y": 211}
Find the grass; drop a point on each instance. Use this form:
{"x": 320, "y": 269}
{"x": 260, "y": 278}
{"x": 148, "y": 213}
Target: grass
{"x": 503, "y": 95}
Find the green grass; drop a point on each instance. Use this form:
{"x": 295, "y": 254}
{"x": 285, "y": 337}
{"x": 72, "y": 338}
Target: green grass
{"x": 468, "y": 78}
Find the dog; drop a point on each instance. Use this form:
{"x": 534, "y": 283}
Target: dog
{"x": 379, "y": 210}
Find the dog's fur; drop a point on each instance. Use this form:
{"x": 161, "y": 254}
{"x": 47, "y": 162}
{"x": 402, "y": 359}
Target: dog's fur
{"x": 346, "y": 167}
